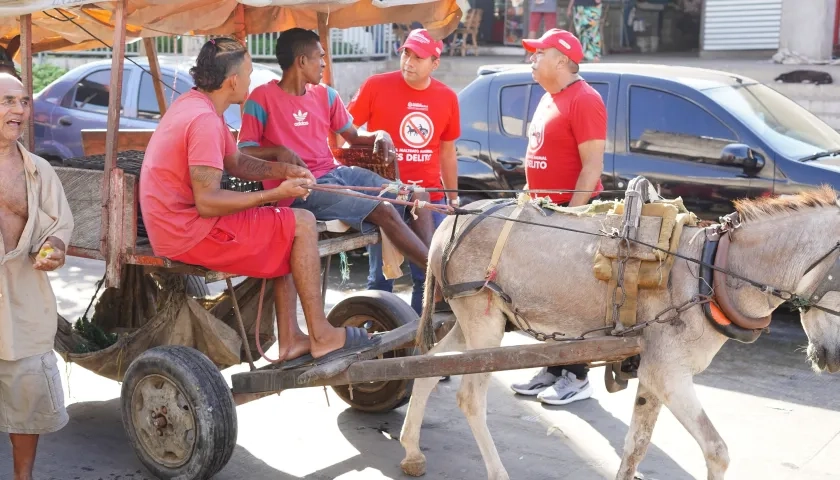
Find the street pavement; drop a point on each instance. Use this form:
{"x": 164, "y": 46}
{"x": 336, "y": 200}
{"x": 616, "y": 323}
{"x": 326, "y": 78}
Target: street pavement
{"x": 779, "y": 419}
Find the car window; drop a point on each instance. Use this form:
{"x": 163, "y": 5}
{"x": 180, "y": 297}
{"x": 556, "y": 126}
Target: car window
{"x": 538, "y": 91}
{"x": 91, "y": 93}
{"x": 665, "y": 124}
{"x": 147, "y": 104}
{"x": 778, "y": 120}
{"x": 512, "y": 109}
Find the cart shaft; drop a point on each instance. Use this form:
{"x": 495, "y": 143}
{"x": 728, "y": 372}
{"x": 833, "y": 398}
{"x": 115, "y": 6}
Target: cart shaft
{"x": 608, "y": 349}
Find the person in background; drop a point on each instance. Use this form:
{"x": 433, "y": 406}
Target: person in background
{"x": 586, "y": 16}
{"x": 566, "y": 141}
{"x": 422, "y": 116}
{"x": 540, "y": 10}
{"x": 35, "y": 228}
{"x": 7, "y": 55}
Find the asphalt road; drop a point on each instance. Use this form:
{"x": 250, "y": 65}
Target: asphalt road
{"x": 779, "y": 419}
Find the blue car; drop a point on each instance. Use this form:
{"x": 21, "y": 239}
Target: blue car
{"x": 710, "y": 137}
{"x": 78, "y": 100}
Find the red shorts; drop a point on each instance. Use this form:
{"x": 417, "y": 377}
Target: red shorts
{"x": 549, "y": 21}
{"x": 255, "y": 243}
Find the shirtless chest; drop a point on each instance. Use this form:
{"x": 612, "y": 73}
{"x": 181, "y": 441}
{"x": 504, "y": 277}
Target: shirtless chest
{"x": 13, "y": 204}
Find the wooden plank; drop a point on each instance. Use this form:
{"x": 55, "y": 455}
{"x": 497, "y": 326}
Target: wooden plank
{"x": 391, "y": 340}
{"x": 324, "y": 34}
{"x": 154, "y": 69}
{"x": 26, "y": 70}
{"x": 515, "y": 357}
{"x": 401, "y": 337}
{"x": 114, "y": 110}
{"x": 143, "y": 255}
{"x": 93, "y": 140}
{"x": 345, "y": 243}
{"x": 334, "y": 140}
{"x": 116, "y": 231}
{"x": 84, "y": 253}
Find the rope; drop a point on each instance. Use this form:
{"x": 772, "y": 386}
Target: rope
{"x": 347, "y": 191}
{"x": 447, "y": 210}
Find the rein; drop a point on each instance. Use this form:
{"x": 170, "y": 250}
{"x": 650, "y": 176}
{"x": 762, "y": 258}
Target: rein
{"x": 727, "y": 224}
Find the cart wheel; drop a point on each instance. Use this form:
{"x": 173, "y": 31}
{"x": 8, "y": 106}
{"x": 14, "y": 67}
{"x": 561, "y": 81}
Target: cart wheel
{"x": 179, "y": 414}
{"x": 378, "y": 311}
{"x": 196, "y": 286}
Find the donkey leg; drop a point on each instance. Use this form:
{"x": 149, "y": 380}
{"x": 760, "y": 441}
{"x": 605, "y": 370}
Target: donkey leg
{"x": 645, "y": 413}
{"x": 414, "y": 463}
{"x": 482, "y": 332}
{"x": 682, "y": 401}
{"x": 472, "y": 399}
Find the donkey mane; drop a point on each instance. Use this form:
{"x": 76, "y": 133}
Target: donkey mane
{"x": 766, "y": 207}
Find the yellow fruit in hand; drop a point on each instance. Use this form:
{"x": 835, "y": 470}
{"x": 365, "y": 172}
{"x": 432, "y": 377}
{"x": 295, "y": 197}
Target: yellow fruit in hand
{"x": 45, "y": 251}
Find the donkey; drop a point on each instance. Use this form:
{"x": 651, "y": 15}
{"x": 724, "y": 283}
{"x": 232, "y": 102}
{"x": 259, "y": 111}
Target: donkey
{"x": 547, "y": 276}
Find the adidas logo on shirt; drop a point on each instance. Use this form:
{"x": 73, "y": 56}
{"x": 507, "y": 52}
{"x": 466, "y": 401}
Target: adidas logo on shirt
{"x": 300, "y": 118}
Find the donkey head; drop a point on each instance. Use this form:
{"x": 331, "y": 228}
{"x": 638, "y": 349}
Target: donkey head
{"x": 793, "y": 244}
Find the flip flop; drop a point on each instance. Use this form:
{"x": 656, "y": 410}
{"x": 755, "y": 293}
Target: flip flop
{"x": 297, "y": 362}
{"x": 357, "y": 342}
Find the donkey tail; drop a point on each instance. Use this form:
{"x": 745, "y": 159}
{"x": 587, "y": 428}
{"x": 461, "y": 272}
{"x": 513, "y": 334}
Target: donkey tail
{"x": 425, "y": 339}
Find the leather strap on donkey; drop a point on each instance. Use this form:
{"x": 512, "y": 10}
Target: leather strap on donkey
{"x": 471, "y": 288}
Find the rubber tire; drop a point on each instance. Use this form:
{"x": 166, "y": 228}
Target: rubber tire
{"x": 196, "y": 286}
{"x": 212, "y": 403}
{"x": 391, "y": 312}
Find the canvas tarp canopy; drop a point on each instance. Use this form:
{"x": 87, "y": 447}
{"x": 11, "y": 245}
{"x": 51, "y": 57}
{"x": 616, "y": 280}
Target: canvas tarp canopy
{"x": 56, "y": 23}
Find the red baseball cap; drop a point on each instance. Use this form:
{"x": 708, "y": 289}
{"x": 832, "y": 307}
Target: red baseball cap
{"x": 421, "y": 42}
{"x": 562, "y": 40}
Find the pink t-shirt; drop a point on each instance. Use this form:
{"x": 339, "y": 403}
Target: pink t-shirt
{"x": 191, "y": 133}
{"x": 300, "y": 123}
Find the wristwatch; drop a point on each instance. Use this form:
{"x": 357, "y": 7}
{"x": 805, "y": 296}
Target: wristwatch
{"x": 456, "y": 202}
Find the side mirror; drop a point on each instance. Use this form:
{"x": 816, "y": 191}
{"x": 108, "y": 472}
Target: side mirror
{"x": 740, "y": 155}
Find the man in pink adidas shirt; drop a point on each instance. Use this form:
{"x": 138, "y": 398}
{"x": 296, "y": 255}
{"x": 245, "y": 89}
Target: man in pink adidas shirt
{"x": 299, "y": 113}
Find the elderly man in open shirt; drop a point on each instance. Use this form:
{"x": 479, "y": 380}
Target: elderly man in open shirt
{"x": 35, "y": 228}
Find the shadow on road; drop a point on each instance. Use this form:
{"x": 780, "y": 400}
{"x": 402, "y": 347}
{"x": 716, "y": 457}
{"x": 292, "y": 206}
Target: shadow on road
{"x": 94, "y": 446}
{"x": 774, "y": 367}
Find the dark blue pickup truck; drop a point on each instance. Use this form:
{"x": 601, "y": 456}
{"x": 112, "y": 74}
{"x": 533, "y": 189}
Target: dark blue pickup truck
{"x": 709, "y": 137}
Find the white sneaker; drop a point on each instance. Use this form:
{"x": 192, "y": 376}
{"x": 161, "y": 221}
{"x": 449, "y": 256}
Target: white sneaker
{"x": 540, "y": 382}
{"x": 566, "y": 389}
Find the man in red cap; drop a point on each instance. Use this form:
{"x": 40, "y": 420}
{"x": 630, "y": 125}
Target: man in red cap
{"x": 566, "y": 141}
{"x": 422, "y": 117}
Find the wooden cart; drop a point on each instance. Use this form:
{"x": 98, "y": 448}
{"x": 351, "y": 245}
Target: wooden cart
{"x": 178, "y": 410}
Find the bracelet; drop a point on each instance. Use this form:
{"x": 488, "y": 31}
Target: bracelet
{"x": 262, "y": 199}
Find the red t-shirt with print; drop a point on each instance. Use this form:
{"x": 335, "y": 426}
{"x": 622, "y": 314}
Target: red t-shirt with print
{"x": 561, "y": 122}
{"x": 417, "y": 120}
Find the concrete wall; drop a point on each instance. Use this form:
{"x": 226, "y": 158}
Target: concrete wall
{"x": 808, "y": 27}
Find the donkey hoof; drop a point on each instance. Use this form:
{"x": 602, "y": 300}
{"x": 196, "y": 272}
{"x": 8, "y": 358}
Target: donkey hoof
{"x": 414, "y": 467}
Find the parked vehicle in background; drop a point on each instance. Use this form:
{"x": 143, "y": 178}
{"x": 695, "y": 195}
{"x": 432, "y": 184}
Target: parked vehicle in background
{"x": 707, "y": 136}
{"x": 78, "y": 100}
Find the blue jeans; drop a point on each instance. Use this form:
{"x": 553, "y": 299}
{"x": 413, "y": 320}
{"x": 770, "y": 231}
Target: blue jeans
{"x": 377, "y": 281}
{"x": 353, "y": 211}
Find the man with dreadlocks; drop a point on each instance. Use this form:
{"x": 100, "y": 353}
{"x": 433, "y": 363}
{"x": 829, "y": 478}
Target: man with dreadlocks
{"x": 191, "y": 219}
